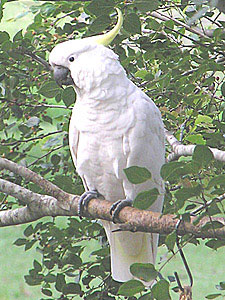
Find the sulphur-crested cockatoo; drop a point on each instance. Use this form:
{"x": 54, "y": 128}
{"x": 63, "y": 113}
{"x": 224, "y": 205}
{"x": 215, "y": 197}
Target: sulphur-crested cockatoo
{"x": 113, "y": 126}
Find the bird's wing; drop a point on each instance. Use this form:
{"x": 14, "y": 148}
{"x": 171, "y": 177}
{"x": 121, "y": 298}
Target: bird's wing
{"x": 144, "y": 144}
{"x": 73, "y": 140}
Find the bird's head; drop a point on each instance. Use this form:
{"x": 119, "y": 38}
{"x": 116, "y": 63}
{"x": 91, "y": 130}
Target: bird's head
{"x": 67, "y": 55}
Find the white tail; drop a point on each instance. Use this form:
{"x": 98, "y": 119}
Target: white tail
{"x": 127, "y": 248}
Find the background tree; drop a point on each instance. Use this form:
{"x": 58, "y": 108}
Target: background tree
{"x": 174, "y": 51}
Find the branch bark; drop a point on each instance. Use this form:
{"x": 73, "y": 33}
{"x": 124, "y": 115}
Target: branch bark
{"x": 60, "y": 203}
{"x": 31, "y": 176}
{"x": 187, "y": 150}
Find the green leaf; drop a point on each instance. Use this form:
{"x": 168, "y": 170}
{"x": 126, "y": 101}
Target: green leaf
{"x": 100, "y": 23}
{"x": 161, "y": 290}
{"x": 170, "y": 170}
{"x": 72, "y": 259}
{"x": 186, "y": 193}
{"x": 24, "y": 129}
{"x": 30, "y": 280}
{"x": 100, "y": 7}
{"x": 212, "y": 296}
{"x": 217, "y": 180}
{"x": 20, "y": 242}
{"x": 145, "y": 199}
{"x": 213, "y": 225}
{"x": 48, "y": 8}
{"x": 71, "y": 288}
{"x": 68, "y": 96}
{"x": 215, "y": 244}
{"x": 33, "y": 121}
{"x": 18, "y": 36}
{"x": 17, "y": 111}
{"x": 2, "y": 2}
{"x": 131, "y": 287}
{"x": 28, "y": 231}
{"x": 49, "y": 89}
{"x": 153, "y": 24}
{"x": 37, "y": 266}
{"x": 51, "y": 142}
{"x": 222, "y": 285}
{"x": 146, "y": 297}
{"x": 195, "y": 139}
{"x": 29, "y": 245}
{"x": 202, "y": 155}
{"x": 203, "y": 120}
{"x": 132, "y": 23}
{"x": 102, "y": 252}
{"x": 60, "y": 282}
{"x": 170, "y": 240}
{"x": 223, "y": 89}
{"x": 146, "y": 5}
{"x": 55, "y": 159}
{"x": 4, "y": 36}
{"x": 47, "y": 292}
{"x": 137, "y": 175}
{"x": 145, "y": 272}
{"x": 50, "y": 278}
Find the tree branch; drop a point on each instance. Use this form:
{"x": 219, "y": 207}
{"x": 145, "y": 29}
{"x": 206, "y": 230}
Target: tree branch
{"x": 38, "y": 59}
{"x": 162, "y": 17}
{"x": 65, "y": 204}
{"x": 29, "y": 175}
{"x": 187, "y": 150}
{"x": 41, "y": 136}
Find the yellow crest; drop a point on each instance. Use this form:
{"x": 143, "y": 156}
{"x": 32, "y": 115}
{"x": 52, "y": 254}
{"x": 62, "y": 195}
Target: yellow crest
{"x": 107, "y": 38}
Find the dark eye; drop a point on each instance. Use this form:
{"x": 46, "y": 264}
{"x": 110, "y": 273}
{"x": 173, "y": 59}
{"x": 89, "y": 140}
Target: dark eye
{"x": 71, "y": 59}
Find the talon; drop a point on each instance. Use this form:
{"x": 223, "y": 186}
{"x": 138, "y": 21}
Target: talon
{"x": 117, "y": 207}
{"x": 85, "y": 198}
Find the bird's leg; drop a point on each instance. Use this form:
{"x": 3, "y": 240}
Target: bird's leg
{"x": 85, "y": 198}
{"x": 117, "y": 206}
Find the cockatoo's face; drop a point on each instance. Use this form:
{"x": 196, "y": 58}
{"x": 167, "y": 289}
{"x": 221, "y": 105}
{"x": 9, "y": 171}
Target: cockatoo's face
{"x": 85, "y": 63}
{"x": 66, "y": 55}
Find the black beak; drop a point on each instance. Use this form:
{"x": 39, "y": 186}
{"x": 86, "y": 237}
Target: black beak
{"x": 62, "y": 76}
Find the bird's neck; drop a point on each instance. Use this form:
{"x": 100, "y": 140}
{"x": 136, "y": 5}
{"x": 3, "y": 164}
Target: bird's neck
{"x": 100, "y": 78}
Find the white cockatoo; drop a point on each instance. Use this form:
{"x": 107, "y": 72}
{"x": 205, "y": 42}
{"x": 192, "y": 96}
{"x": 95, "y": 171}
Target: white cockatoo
{"x": 114, "y": 125}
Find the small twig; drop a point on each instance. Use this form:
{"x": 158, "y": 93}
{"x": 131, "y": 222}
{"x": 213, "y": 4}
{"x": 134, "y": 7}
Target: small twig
{"x": 42, "y": 136}
{"x": 62, "y": 17}
{"x": 43, "y": 156}
{"x": 182, "y": 128}
{"x": 207, "y": 204}
{"x": 36, "y": 58}
{"x": 34, "y": 105}
{"x": 174, "y": 254}
{"x": 182, "y": 255}
{"x": 163, "y": 17}
{"x": 178, "y": 281}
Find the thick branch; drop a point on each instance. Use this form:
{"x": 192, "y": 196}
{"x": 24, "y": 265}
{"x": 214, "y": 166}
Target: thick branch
{"x": 132, "y": 219}
{"x": 29, "y": 175}
{"x": 187, "y": 150}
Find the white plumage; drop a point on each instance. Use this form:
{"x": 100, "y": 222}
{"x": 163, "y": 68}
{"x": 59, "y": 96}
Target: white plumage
{"x": 114, "y": 125}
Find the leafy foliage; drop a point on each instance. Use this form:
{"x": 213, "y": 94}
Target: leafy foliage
{"x": 181, "y": 71}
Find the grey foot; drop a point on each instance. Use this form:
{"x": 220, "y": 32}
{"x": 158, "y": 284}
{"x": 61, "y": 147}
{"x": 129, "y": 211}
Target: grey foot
{"x": 117, "y": 206}
{"x": 85, "y": 198}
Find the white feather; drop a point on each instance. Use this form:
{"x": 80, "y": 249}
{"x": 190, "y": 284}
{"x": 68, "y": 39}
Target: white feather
{"x": 114, "y": 125}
